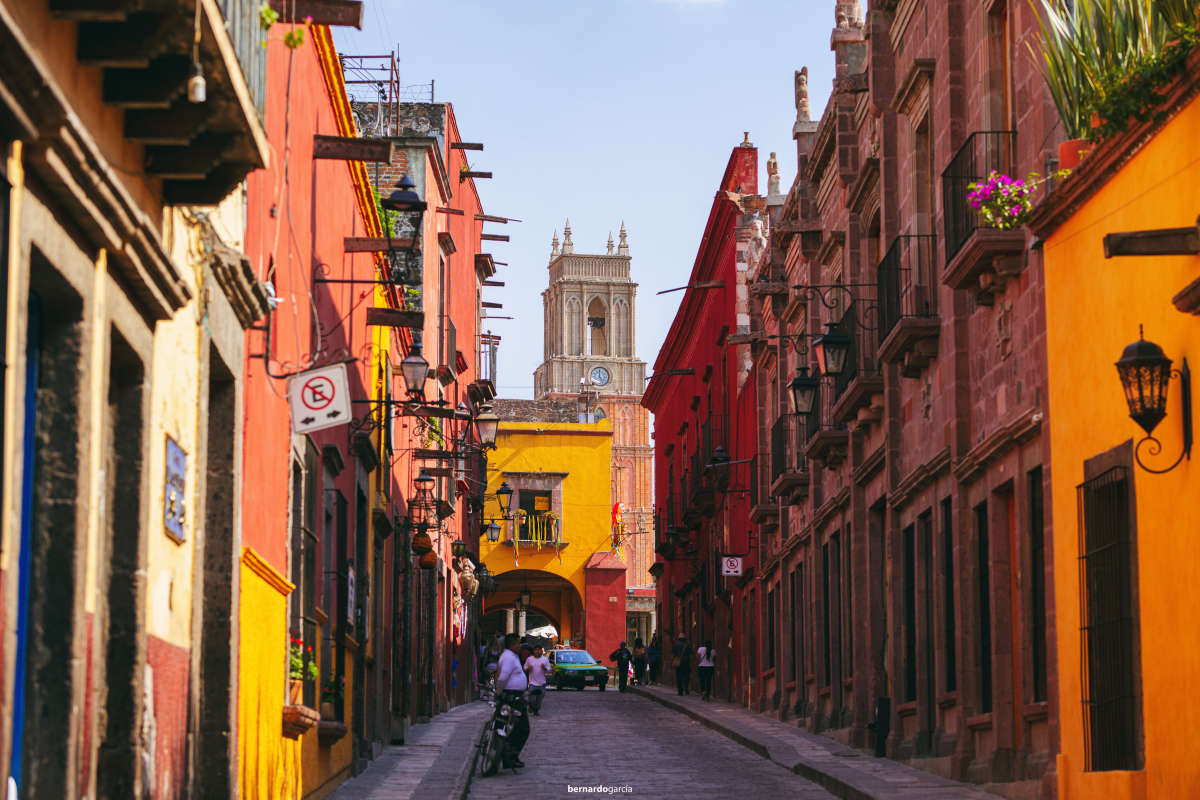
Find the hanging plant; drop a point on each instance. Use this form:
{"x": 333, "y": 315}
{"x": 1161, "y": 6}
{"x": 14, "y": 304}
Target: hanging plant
{"x": 429, "y": 560}
{"x": 421, "y": 543}
{"x": 1003, "y": 202}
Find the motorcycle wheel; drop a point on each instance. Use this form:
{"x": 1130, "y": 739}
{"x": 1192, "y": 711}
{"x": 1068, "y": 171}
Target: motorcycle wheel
{"x": 489, "y": 752}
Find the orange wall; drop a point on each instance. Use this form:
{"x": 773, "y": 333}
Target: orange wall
{"x": 1093, "y": 309}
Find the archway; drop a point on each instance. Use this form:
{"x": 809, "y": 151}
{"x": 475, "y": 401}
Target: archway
{"x": 553, "y": 600}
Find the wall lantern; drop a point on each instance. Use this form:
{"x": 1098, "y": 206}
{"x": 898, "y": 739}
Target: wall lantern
{"x": 831, "y": 349}
{"x": 415, "y": 370}
{"x": 719, "y": 458}
{"x": 405, "y": 200}
{"x": 487, "y": 582}
{"x": 526, "y": 597}
{"x": 804, "y": 392}
{"x": 492, "y": 531}
{"x": 458, "y": 547}
{"x": 423, "y": 484}
{"x": 1145, "y": 373}
{"x": 504, "y": 497}
{"x": 486, "y": 425}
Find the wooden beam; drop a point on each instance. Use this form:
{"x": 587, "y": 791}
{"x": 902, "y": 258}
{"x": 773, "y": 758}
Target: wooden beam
{"x": 215, "y": 187}
{"x": 466, "y": 173}
{"x": 192, "y": 161}
{"x": 155, "y": 87}
{"x": 129, "y": 43}
{"x": 466, "y": 145}
{"x": 353, "y": 148}
{"x": 177, "y": 125}
{"x": 501, "y": 220}
{"x": 95, "y": 10}
{"x": 493, "y": 283}
{"x": 434, "y": 411}
{"x": 486, "y": 304}
{"x": 439, "y": 455}
{"x": 395, "y": 318}
{"x": 1159, "y": 242}
{"x": 323, "y": 12}
{"x": 456, "y": 211}
{"x": 373, "y": 244}
{"x": 494, "y": 237}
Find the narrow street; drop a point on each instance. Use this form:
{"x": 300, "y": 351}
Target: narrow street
{"x": 618, "y": 740}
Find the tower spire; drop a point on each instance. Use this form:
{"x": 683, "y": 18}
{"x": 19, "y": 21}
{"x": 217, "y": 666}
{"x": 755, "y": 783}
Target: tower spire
{"x": 567, "y": 245}
{"x": 623, "y": 246}
{"x": 554, "y": 244}
{"x": 610, "y": 243}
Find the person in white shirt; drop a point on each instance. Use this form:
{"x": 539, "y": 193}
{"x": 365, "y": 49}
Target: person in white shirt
{"x": 537, "y": 666}
{"x": 512, "y": 682}
{"x": 705, "y": 666}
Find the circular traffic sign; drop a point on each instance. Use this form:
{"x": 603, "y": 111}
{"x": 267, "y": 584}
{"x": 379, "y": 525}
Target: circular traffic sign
{"x": 732, "y": 563}
{"x": 317, "y": 393}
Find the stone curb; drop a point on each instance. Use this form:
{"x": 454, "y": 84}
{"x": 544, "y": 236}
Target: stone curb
{"x": 831, "y": 783}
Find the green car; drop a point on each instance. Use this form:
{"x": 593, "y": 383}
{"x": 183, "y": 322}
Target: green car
{"x": 576, "y": 668}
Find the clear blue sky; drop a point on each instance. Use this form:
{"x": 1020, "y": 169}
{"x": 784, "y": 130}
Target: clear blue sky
{"x": 602, "y": 111}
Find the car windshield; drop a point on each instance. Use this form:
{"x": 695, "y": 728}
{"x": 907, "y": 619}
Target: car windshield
{"x": 574, "y": 657}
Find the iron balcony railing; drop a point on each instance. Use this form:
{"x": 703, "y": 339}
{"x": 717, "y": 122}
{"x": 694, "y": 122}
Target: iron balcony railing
{"x": 780, "y": 461}
{"x": 246, "y": 33}
{"x": 981, "y": 153}
{"x": 859, "y": 324}
{"x": 906, "y": 283}
{"x": 812, "y": 422}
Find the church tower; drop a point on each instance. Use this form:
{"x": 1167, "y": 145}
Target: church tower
{"x": 589, "y": 344}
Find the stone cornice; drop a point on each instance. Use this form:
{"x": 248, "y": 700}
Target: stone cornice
{"x": 996, "y": 444}
{"x": 830, "y": 507}
{"x": 833, "y": 240}
{"x": 919, "y": 478}
{"x": 917, "y": 79}
{"x": 864, "y": 187}
{"x": 271, "y": 576}
{"x": 1104, "y": 162}
{"x": 870, "y": 465}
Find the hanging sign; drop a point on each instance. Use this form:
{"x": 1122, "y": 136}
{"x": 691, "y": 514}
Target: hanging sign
{"x": 319, "y": 399}
{"x": 174, "y": 490}
{"x": 731, "y": 565}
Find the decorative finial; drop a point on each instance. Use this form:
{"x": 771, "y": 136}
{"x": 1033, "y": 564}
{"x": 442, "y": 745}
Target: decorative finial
{"x": 610, "y": 243}
{"x": 746, "y": 139}
{"x": 567, "y": 245}
{"x": 802, "y": 110}
{"x": 554, "y": 244}
{"x": 623, "y": 245}
{"x": 773, "y": 175}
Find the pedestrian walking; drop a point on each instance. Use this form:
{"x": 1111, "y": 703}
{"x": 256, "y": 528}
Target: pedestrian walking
{"x": 639, "y": 662}
{"x": 537, "y": 667}
{"x": 682, "y": 655}
{"x": 654, "y": 658}
{"x": 705, "y": 665}
{"x": 623, "y": 658}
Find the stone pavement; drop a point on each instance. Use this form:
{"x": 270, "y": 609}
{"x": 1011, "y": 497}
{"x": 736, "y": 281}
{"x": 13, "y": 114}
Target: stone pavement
{"x": 634, "y": 748}
{"x": 844, "y": 771}
{"x": 433, "y": 763}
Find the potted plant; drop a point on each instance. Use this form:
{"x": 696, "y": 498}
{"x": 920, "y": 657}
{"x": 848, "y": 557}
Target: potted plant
{"x": 300, "y": 668}
{"x": 1004, "y": 202}
{"x": 331, "y": 693}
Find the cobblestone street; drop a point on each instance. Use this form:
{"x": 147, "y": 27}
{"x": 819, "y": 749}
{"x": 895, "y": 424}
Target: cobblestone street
{"x": 610, "y": 739}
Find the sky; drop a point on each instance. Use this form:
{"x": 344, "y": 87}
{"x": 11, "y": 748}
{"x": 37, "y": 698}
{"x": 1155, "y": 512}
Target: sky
{"x": 603, "y": 111}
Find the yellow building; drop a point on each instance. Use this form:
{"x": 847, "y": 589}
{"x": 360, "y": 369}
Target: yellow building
{"x": 556, "y": 540}
{"x": 1126, "y": 552}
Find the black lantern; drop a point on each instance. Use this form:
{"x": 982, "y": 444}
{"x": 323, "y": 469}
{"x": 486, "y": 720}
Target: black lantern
{"x": 504, "y": 497}
{"x": 486, "y": 425}
{"x": 415, "y": 370}
{"x": 492, "y": 531}
{"x": 487, "y": 582}
{"x": 458, "y": 547}
{"x": 526, "y": 597}
{"x": 405, "y": 200}
{"x": 831, "y": 349}
{"x": 423, "y": 484}
{"x": 720, "y": 458}
{"x": 1145, "y": 373}
{"x": 804, "y": 392}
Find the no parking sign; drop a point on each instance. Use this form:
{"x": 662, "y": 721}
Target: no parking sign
{"x": 731, "y": 565}
{"x": 319, "y": 399}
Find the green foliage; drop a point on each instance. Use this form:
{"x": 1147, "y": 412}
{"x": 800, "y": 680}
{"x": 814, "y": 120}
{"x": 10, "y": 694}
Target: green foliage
{"x": 267, "y": 16}
{"x": 1101, "y": 56}
{"x": 387, "y": 218}
{"x": 333, "y": 689}
{"x": 297, "y": 669}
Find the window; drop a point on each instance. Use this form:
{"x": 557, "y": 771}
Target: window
{"x": 1108, "y": 615}
{"x": 770, "y": 663}
{"x": 847, "y": 610}
{"x": 751, "y": 619}
{"x": 305, "y": 543}
{"x": 984, "y": 606}
{"x": 798, "y": 623}
{"x": 950, "y": 679}
{"x": 1037, "y": 582}
{"x": 825, "y": 623}
{"x": 910, "y": 615}
{"x": 536, "y": 504}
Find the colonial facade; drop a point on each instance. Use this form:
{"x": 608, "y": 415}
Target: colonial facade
{"x": 590, "y": 346}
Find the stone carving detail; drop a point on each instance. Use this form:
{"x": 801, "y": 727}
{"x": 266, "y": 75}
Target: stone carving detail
{"x": 610, "y": 243}
{"x": 802, "y": 110}
{"x": 1004, "y": 330}
{"x": 772, "y": 175}
{"x": 623, "y": 244}
{"x": 568, "y": 246}
{"x": 927, "y": 398}
{"x": 848, "y": 14}
{"x": 554, "y": 245}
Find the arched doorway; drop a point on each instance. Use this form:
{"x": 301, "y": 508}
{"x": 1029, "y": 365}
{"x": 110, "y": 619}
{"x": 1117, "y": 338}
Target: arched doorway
{"x": 554, "y": 601}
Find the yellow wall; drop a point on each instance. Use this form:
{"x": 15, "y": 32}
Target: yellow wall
{"x": 1093, "y": 310}
{"x": 584, "y": 452}
{"x": 268, "y": 764}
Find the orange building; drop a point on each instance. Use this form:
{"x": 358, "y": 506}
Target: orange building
{"x": 1125, "y": 546}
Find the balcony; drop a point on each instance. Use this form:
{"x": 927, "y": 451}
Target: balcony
{"x": 979, "y": 259}
{"x": 789, "y": 472}
{"x": 861, "y": 381}
{"x": 763, "y": 508}
{"x": 825, "y": 438}
{"x": 540, "y": 531}
{"x": 908, "y": 320}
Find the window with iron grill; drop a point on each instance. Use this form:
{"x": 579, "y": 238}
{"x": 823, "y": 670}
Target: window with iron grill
{"x": 798, "y": 623}
{"x": 847, "y": 609}
{"x": 984, "y": 601}
{"x": 770, "y": 630}
{"x": 1037, "y": 583}
{"x": 1110, "y": 682}
{"x": 826, "y": 613}
{"x": 910, "y": 615}
{"x": 948, "y": 628}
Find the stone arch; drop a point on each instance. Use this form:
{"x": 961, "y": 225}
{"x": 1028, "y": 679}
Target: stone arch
{"x": 622, "y": 339}
{"x": 573, "y": 334}
{"x": 597, "y": 317}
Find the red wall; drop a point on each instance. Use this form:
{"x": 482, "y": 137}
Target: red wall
{"x": 604, "y": 578}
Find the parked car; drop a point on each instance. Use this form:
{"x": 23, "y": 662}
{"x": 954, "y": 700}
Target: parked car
{"x": 576, "y": 668}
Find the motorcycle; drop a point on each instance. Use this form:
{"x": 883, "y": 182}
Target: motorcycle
{"x": 494, "y": 739}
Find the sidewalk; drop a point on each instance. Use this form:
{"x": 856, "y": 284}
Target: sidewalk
{"x": 841, "y": 770}
{"x": 434, "y": 763}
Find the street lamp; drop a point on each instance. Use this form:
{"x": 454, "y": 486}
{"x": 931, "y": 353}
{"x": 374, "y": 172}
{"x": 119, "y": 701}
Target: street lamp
{"x": 804, "y": 392}
{"x": 1145, "y": 373}
{"x": 525, "y": 597}
{"x": 415, "y": 370}
{"x": 831, "y": 349}
{"x": 405, "y": 200}
{"x": 504, "y": 497}
{"x": 486, "y": 426}
{"x": 458, "y": 548}
{"x": 492, "y": 531}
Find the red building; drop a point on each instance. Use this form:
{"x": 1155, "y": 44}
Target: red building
{"x": 702, "y": 396}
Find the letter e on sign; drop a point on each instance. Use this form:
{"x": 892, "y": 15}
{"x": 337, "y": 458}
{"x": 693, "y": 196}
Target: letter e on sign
{"x": 731, "y": 565}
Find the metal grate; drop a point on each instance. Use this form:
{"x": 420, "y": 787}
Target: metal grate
{"x": 779, "y": 447}
{"x": 1109, "y": 682}
{"x": 905, "y": 280}
{"x": 981, "y": 153}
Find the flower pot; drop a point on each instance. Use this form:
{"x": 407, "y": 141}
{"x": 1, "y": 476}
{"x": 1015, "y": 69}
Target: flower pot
{"x": 421, "y": 543}
{"x": 1072, "y": 151}
{"x": 328, "y": 710}
{"x": 295, "y": 691}
{"x": 429, "y": 560}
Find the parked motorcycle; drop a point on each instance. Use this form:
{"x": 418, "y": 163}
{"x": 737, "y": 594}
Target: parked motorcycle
{"x": 494, "y": 739}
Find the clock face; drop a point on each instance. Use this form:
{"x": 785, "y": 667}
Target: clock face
{"x": 599, "y": 376}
